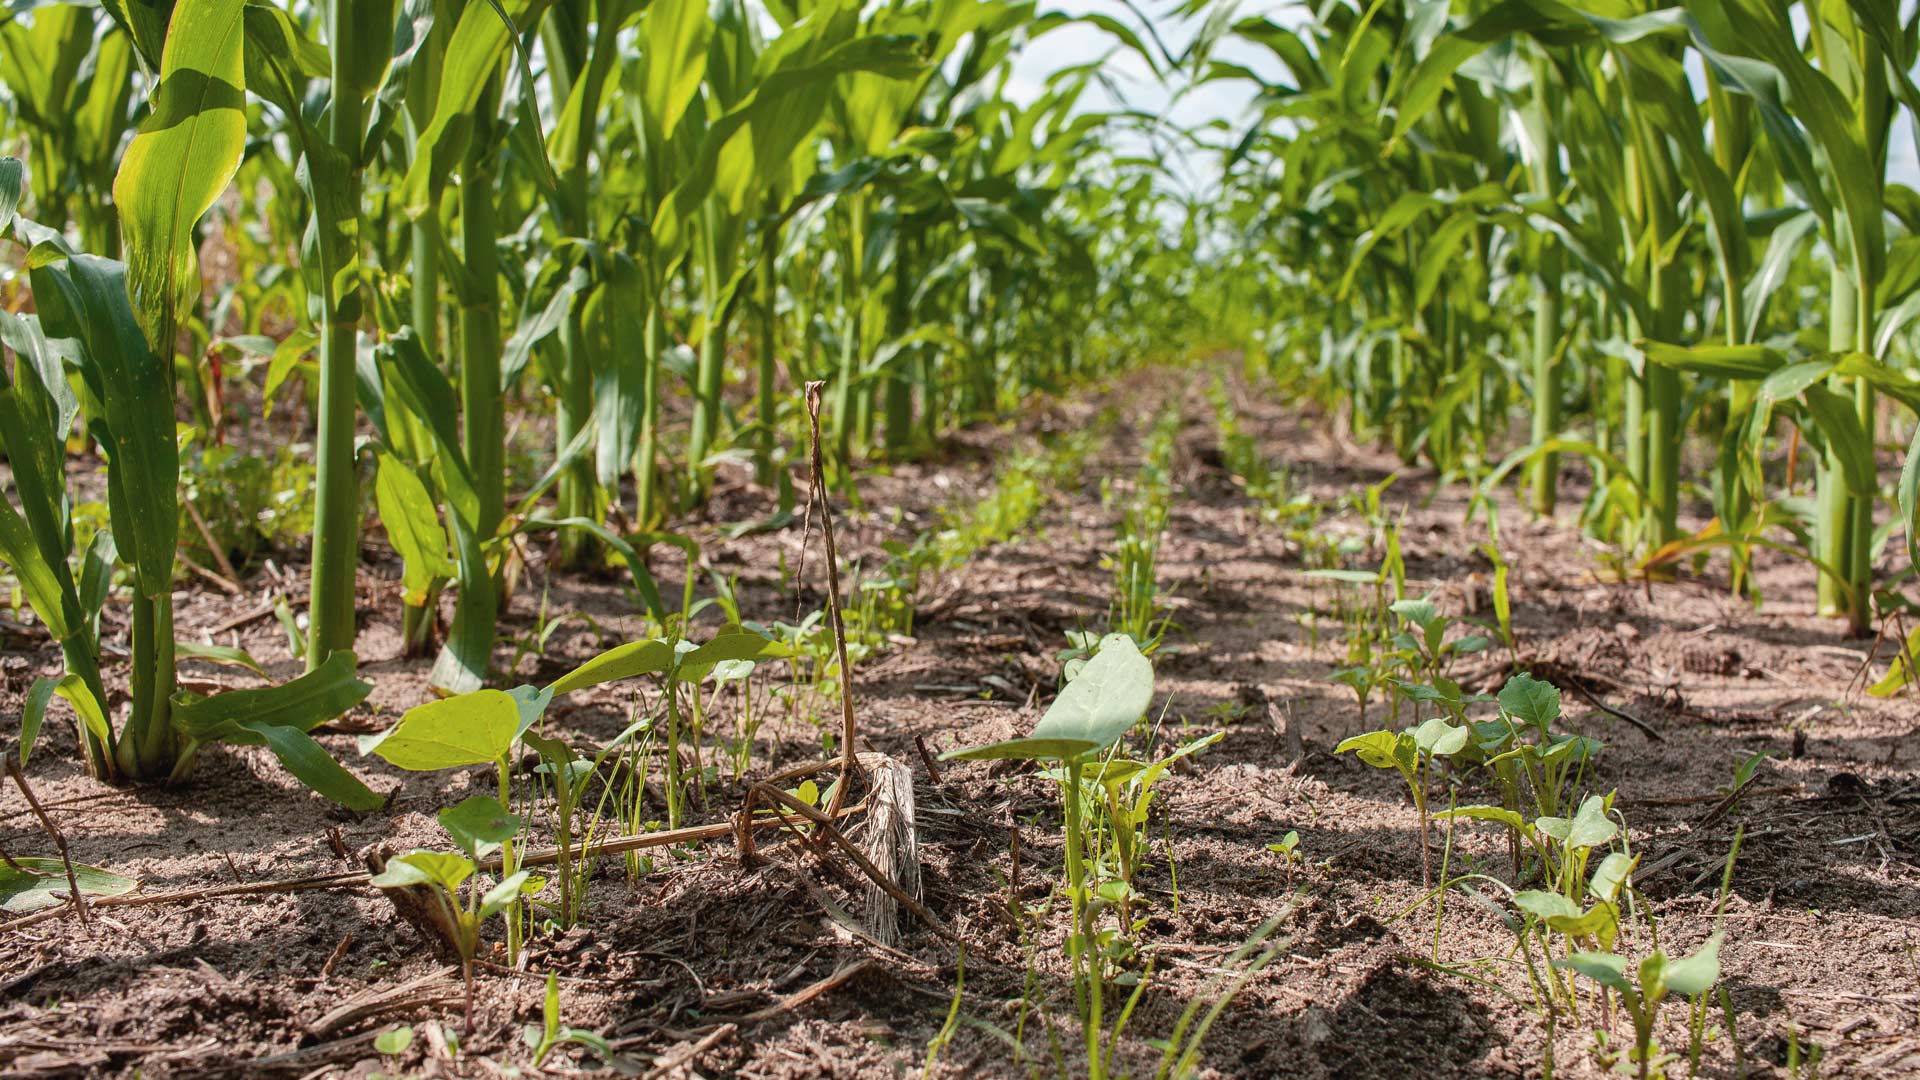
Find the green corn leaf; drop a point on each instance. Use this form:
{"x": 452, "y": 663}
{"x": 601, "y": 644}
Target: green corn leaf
{"x": 13, "y": 187}
{"x": 1840, "y": 426}
{"x": 145, "y": 21}
{"x": 309, "y": 762}
{"x": 185, "y": 155}
{"x": 413, "y": 528}
{"x": 479, "y": 43}
{"x": 85, "y": 297}
{"x": 48, "y": 588}
{"x": 412, "y": 378}
{"x": 96, "y": 578}
{"x": 281, "y": 60}
{"x": 33, "y": 884}
{"x": 1725, "y": 361}
{"x": 749, "y": 145}
{"x": 1783, "y": 247}
{"x": 218, "y": 654}
{"x": 643, "y": 582}
{"x": 1908, "y": 494}
{"x": 537, "y": 328}
{"x": 303, "y": 704}
{"x": 467, "y": 654}
{"x": 674, "y": 60}
{"x": 74, "y": 689}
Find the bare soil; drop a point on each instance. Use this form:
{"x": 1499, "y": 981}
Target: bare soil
{"x": 693, "y": 968}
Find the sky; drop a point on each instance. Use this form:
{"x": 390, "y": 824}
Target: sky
{"x": 1225, "y": 100}
{"x": 1081, "y": 43}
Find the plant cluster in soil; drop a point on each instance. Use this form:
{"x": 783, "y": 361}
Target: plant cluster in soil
{"x": 1823, "y": 921}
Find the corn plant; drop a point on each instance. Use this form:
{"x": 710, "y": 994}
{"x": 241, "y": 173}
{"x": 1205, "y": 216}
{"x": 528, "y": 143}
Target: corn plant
{"x": 1615, "y": 222}
{"x": 86, "y": 318}
{"x": 69, "y": 87}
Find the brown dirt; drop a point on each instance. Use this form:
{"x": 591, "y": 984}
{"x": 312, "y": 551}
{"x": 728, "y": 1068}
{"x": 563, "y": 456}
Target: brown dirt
{"x": 1823, "y": 923}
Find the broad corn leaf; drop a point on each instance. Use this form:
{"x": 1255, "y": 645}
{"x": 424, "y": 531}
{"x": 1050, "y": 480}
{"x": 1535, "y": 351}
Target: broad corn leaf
{"x": 184, "y": 157}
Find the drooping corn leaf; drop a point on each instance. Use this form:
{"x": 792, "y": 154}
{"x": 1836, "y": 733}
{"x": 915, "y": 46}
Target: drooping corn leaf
{"x": 218, "y": 654}
{"x": 75, "y": 691}
{"x": 467, "y": 654}
{"x": 185, "y": 155}
{"x": 85, "y": 297}
{"x": 310, "y": 763}
{"x": 35, "y": 884}
{"x": 413, "y": 528}
{"x": 304, "y": 703}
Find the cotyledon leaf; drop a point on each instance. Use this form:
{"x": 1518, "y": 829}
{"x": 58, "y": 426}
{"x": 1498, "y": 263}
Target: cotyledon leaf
{"x": 1108, "y": 697}
{"x": 472, "y": 729}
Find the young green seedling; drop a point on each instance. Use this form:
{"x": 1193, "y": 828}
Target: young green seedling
{"x": 1423, "y": 638}
{"x": 1127, "y": 787}
{"x": 1657, "y": 977}
{"x": 478, "y": 826}
{"x": 1411, "y": 752}
{"x": 1104, "y": 700}
{"x": 550, "y": 1033}
{"x": 1288, "y": 849}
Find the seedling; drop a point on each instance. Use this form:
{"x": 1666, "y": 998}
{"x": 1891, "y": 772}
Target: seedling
{"x": 570, "y": 777}
{"x": 1642, "y": 991}
{"x": 391, "y": 1043}
{"x": 479, "y": 826}
{"x": 1411, "y": 752}
{"x": 1126, "y": 788}
{"x": 1102, "y": 703}
{"x": 1422, "y": 640}
{"x": 550, "y": 1033}
{"x": 1288, "y": 848}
